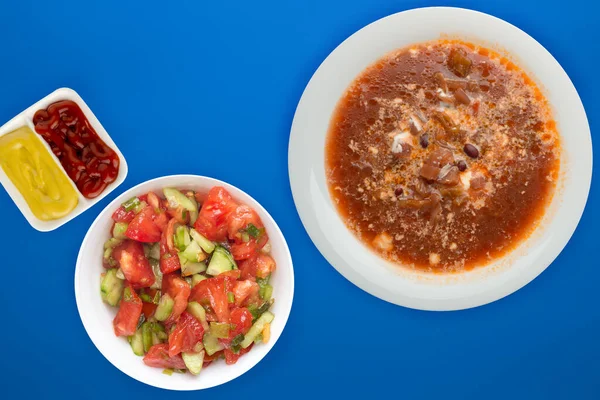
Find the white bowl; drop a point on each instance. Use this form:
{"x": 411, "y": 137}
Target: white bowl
{"x": 97, "y": 316}
{"x": 25, "y": 118}
{"x": 346, "y": 253}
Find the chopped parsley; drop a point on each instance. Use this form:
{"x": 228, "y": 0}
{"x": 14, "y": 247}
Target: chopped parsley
{"x": 254, "y": 232}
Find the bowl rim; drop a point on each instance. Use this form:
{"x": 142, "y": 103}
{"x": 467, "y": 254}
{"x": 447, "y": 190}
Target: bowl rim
{"x": 315, "y": 207}
{"x": 95, "y": 337}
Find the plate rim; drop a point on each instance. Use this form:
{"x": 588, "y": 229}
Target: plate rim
{"x": 419, "y": 303}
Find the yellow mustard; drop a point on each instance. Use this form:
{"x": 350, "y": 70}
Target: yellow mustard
{"x": 44, "y": 185}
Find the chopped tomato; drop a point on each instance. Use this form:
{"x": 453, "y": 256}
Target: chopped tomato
{"x": 234, "y": 274}
{"x": 142, "y": 228}
{"x": 246, "y": 229}
{"x": 248, "y": 268}
{"x": 168, "y": 235}
{"x": 239, "y": 220}
{"x": 259, "y": 266}
{"x": 161, "y": 219}
{"x": 185, "y": 335}
{"x": 245, "y": 250}
{"x": 148, "y": 309}
{"x": 242, "y": 319}
{"x": 122, "y": 215}
{"x": 180, "y": 214}
{"x": 212, "y": 219}
{"x": 179, "y": 290}
{"x": 212, "y": 292}
{"x": 125, "y": 323}
{"x": 153, "y": 200}
{"x": 265, "y": 265}
{"x": 232, "y": 358}
{"x": 158, "y": 357}
{"x": 243, "y": 290}
{"x": 169, "y": 261}
{"x": 133, "y": 263}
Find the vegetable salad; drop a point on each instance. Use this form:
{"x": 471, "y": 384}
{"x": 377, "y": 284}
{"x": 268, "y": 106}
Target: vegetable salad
{"x": 190, "y": 277}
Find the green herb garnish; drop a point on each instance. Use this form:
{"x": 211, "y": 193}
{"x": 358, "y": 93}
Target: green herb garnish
{"x": 127, "y": 295}
{"x": 131, "y": 204}
{"x": 255, "y": 232}
{"x": 237, "y": 340}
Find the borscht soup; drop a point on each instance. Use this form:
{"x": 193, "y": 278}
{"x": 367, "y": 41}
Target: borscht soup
{"x": 442, "y": 156}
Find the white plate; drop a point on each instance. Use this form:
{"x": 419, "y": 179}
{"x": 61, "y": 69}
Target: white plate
{"x": 97, "y": 317}
{"x": 25, "y": 118}
{"x": 347, "y": 254}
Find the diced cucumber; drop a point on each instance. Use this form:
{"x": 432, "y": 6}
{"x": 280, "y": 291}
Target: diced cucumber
{"x": 131, "y": 204}
{"x": 198, "y": 347}
{"x": 220, "y": 262}
{"x": 111, "y": 287}
{"x": 146, "y": 247}
{"x": 192, "y": 268}
{"x": 258, "y": 311}
{"x": 137, "y": 343}
{"x": 230, "y": 297}
{"x": 266, "y": 292}
{"x": 164, "y": 308}
{"x": 155, "y": 264}
{"x": 120, "y": 274}
{"x": 147, "y": 335}
{"x": 193, "y": 252}
{"x": 237, "y": 340}
{"x": 146, "y": 298}
{"x": 181, "y": 237}
{"x": 199, "y": 313}
{"x": 158, "y": 327}
{"x": 155, "y": 339}
{"x": 108, "y": 258}
{"x": 154, "y": 251}
{"x": 109, "y": 246}
{"x": 193, "y": 361}
{"x": 193, "y": 215}
{"x": 220, "y": 330}
{"x": 257, "y": 328}
{"x": 162, "y": 335}
{"x": 119, "y": 230}
{"x": 112, "y": 243}
{"x": 140, "y": 207}
{"x": 196, "y": 279}
{"x": 211, "y": 344}
{"x": 206, "y": 244}
{"x": 178, "y": 199}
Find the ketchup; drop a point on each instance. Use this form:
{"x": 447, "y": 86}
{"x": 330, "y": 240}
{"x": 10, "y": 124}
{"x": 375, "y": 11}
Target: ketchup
{"x": 88, "y": 161}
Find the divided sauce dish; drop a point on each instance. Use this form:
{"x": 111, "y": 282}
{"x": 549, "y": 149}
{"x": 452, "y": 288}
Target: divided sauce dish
{"x": 25, "y": 121}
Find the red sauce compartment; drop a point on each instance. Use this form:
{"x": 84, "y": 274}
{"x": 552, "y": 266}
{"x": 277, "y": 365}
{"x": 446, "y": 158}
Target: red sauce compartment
{"x": 87, "y": 160}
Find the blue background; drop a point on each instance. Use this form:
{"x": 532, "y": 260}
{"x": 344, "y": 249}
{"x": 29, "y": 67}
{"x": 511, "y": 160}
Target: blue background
{"x": 210, "y": 88}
